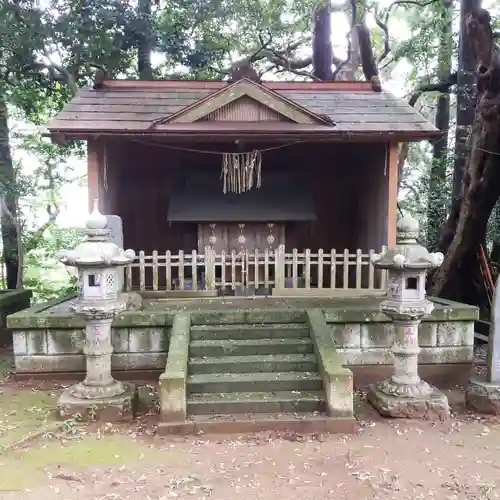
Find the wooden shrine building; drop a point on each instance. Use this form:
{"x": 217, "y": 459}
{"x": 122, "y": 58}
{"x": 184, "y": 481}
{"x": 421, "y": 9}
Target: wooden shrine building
{"x": 244, "y": 165}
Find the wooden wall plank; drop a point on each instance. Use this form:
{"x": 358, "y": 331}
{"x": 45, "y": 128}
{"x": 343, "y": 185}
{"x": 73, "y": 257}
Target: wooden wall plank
{"x": 146, "y": 174}
{"x": 392, "y": 195}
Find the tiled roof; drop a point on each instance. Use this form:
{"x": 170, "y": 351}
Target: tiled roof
{"x": 134, "y": 108}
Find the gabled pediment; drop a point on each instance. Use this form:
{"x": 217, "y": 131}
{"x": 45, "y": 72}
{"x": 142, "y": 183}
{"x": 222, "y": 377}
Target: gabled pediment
{"x": 245, "y": 109}
{"x": 243, "y": 101}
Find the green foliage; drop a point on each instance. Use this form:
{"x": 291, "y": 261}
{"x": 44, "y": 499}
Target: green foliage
{"x": 206, "y": 36}
{"x": 44, "y": 274}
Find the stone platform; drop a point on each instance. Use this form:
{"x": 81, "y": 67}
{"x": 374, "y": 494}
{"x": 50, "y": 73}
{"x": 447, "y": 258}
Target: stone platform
{"x": 48, "y": 338}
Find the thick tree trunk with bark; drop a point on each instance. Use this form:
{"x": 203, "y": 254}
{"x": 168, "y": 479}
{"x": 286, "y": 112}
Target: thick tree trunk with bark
{"x": 322, "y": 41}
{"x": 368, "y": 61}
{"x": 465, "y": 98}
{"x": 437, "y": 205}
{"x": 7, "y": 191}
{"x": 457, "y": 278}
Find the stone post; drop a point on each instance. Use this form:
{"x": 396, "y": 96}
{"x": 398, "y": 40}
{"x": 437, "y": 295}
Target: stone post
{"x": 99, "y": 262}
{"x": 483, "y": 393}
{"x": 405, "y": 394}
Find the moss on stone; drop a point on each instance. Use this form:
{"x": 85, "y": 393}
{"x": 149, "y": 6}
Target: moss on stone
{"x": 172, "y": 383}
{"x": 328, "y": 357}
{"x": 337, "y": 380}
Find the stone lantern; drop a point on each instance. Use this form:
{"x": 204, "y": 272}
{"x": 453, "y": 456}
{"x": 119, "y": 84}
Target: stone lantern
{"x": 99, "y": 262}
{"x": 404, "y": 394}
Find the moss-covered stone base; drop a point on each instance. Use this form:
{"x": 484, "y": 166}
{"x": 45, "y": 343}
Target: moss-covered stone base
{"x": 431, "y": 407}
{"x": 483, "y": 397}
{"x": 48, "y": 339}
{"x": 120, "y": 408}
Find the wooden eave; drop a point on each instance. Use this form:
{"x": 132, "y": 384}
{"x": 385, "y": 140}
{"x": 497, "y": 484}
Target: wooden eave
{"x": 237, "y": 90}
{"x": 246, "y": 132}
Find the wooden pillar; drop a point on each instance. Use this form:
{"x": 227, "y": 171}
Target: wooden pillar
{"x": 96, "y": 172}
{"x": 392, "y": 195}
{"x": 93, "y": 168}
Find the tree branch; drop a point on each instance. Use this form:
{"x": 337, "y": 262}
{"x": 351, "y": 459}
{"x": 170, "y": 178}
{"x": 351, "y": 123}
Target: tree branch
{"x": 443, "y": 87}
{"x": 383, "y": 24}
{"x": 350, "y": 33}
{"x": 385, "y": 29}
{"x": 398, "y": 3}
{"x": 278, "y": 59}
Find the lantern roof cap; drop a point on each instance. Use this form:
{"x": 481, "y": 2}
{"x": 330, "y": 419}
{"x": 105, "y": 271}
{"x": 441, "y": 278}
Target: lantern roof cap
{"x": 408, "y": 254}
{"x": 97, "y": 250}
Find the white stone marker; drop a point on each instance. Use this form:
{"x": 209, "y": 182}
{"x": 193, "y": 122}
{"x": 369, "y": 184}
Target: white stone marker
{"x": 483, "y": 394}
{"x": 115, "y": 225}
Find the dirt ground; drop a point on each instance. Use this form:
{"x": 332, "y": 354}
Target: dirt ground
{"x": 385, "y": 459}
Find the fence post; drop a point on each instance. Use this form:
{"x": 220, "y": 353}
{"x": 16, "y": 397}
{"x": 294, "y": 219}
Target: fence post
{"x": 209, "y": 268}
{"x": 383, "y": 278}
{"x": 155, "y": 270}
{"x": 142, "y": 271}
{"x": 128, "y": 278}
{"x": 279, "y": 267}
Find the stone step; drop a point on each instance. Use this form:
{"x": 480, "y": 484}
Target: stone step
{"x": 255, "y": 402}
{"x": 242, "y": 332}
{"x": 260, "y": 422}
{"x": 257, "y": 382}
{"x": 254, "y": 363}
{"x": 209, "y": 348}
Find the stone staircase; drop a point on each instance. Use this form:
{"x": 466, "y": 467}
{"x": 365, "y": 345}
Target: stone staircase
{"x": 248, "y": 369}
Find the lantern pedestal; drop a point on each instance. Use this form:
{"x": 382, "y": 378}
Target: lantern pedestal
{"x": 99, "y": 396}
{"x": 118, "y": 408}
{"x": 100, "y": 266}
{"x": 428, "y": 403}
{"x": 404, "y": 394}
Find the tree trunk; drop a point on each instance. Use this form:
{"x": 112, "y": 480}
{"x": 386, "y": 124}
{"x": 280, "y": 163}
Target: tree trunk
{"x": 8, "y": 192}
{"x": 145, "y": 42}
{"x": 350, "y": 69}
{"x": 465, "y": 98}
{"x": 436, "y": 208}
{"x": 457, "y": 277}
{"x": 322, "y": 49}
{"x": 367, "y": 56}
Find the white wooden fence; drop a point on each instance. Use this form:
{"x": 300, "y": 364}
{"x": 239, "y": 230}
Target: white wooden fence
{"x": 285, "y": 273}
